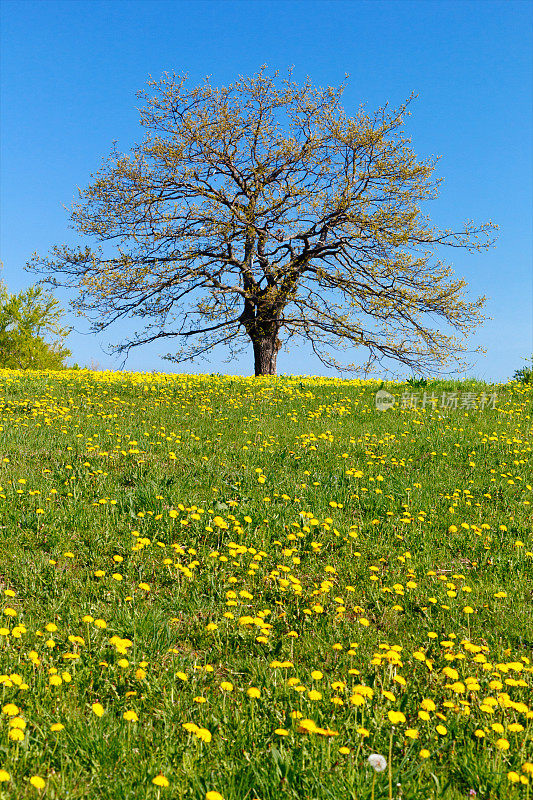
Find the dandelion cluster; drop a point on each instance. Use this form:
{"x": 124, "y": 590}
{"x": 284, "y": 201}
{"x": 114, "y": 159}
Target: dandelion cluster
{"x": 207, "y": 577}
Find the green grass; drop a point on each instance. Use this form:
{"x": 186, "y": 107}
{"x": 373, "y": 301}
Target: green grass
{"x": 253, "y": 532}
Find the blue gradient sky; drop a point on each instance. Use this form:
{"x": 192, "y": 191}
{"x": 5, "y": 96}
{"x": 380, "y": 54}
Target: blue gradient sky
{"x": 70, "y": 71}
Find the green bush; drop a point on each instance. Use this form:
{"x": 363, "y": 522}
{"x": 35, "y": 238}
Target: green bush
{"x": 525, "y": 374}
{"x": 31, "y": 333}
{"x": 417, "y": 383}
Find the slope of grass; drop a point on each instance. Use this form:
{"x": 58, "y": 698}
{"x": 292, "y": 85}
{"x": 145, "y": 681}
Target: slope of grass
{"x": 248, "y": 586}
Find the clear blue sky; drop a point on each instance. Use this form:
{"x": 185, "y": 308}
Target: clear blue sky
{"x": 70, "y": 71}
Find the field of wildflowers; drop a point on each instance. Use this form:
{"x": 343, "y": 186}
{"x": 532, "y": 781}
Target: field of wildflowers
{"x": 243, "y": 588}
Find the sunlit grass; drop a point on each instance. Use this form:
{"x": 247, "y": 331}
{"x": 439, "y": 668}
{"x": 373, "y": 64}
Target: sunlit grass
{"x": 249, "y": 586}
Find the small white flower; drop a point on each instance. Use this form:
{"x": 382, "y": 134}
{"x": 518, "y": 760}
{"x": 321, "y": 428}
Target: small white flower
{"x": 377, "y": 762}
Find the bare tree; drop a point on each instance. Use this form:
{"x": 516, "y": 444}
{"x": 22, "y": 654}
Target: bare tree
{"x": 261, "y": 210}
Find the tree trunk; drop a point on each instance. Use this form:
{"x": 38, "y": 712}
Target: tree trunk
{"x": 265, "y": 354}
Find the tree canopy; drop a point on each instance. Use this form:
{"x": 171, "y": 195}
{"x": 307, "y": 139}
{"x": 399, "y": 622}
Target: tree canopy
{"x": 28, "y": 320}
{"x": 261, "y": 212}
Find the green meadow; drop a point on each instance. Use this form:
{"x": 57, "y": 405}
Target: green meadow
{"x": 241, "y": 588}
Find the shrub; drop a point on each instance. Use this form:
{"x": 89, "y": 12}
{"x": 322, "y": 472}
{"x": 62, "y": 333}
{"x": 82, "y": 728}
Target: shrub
{"x": 524, "y": 374}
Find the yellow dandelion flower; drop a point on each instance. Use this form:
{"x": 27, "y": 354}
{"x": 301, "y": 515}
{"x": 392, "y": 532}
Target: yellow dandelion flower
{"x": 502, "y": 744}
{"x": 396, "y": 716}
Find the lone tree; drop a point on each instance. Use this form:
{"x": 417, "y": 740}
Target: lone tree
{"x": 260, "y": 212}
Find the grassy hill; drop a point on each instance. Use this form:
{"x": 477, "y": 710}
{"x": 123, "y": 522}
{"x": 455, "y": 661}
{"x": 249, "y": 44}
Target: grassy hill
{"x": 243, "y": 587}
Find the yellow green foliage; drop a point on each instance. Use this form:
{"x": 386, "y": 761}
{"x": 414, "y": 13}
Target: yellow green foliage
{"x": 261, "y": 212}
